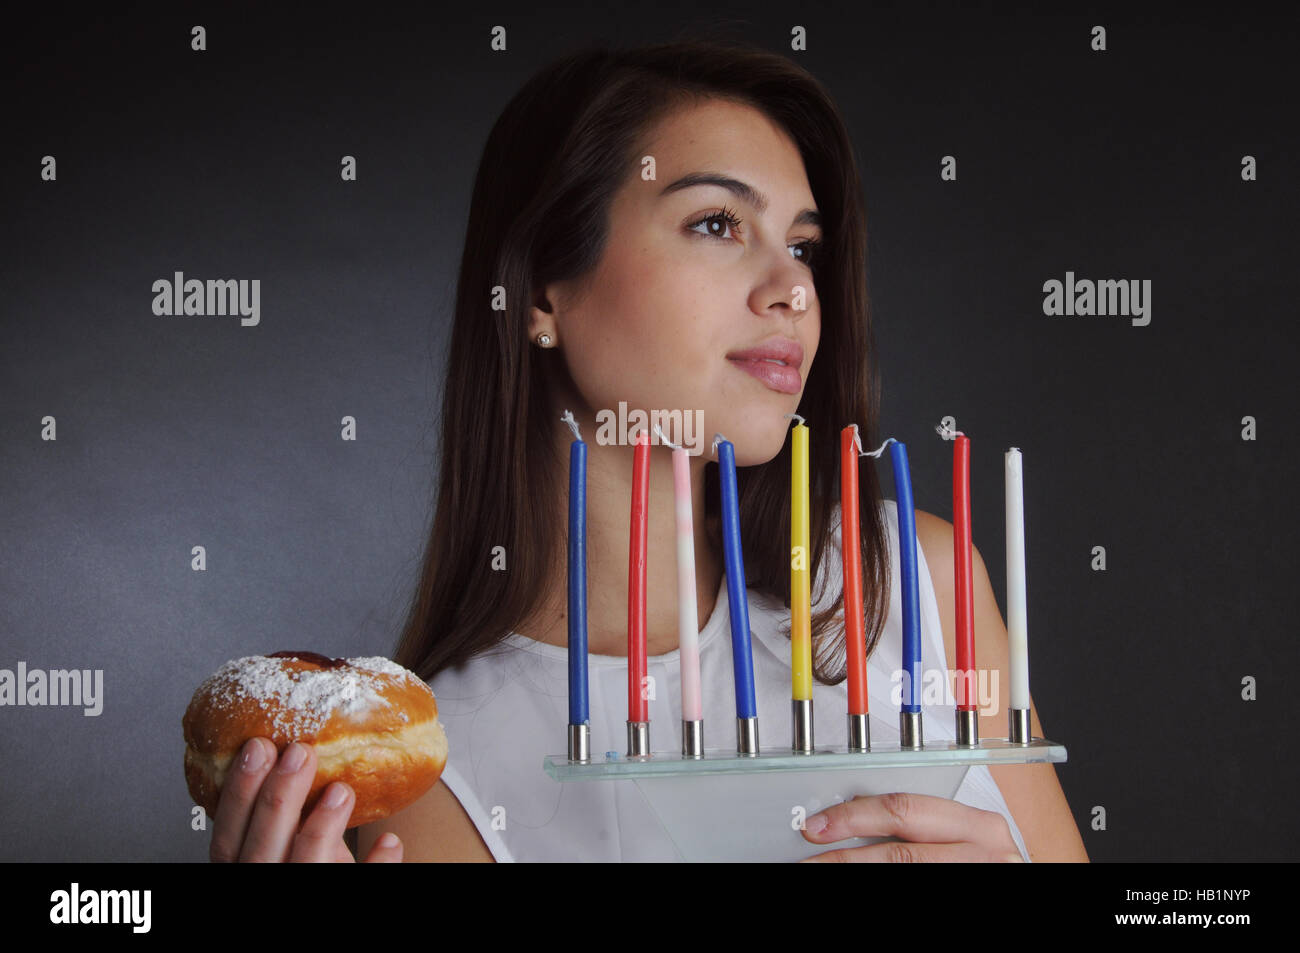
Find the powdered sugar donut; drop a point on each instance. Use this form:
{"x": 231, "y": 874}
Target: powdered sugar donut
{"x": 374, "y": 725}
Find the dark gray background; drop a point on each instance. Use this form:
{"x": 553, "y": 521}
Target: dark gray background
{"x": 177, "y": 431}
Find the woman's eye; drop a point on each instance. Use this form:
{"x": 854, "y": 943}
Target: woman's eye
{"x": 722, "y": 220}
{"x": 811, "y": 251}
{"x": 717, "y": 224}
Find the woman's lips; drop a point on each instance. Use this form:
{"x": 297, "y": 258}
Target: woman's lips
{"x": 779, "y": 377}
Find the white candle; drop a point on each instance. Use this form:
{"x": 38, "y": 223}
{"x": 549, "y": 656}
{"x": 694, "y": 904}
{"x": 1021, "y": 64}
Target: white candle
{"x": 1017, "y": 631}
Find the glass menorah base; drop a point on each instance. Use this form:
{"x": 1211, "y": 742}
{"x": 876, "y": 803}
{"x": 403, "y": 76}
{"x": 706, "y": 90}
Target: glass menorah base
{"x": 989, "y": 751}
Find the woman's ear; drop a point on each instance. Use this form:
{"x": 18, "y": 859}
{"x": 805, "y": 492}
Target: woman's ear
{"x": 541, "y": 315}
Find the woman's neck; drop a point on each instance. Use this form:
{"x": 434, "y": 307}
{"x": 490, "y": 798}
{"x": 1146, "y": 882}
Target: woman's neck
{"x": 609, "y": 497}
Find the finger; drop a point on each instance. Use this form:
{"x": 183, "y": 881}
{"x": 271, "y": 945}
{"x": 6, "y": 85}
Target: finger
{"x": 250, "y": 766}
{"x": 318, "y": 840}
{"x": 279, "y": 806}
{"x": 386, "y": 850}
{"x": 906, "y": 852}
{"x": 913, "y": 817}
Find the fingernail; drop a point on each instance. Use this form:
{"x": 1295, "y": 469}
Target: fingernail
{"x": 254, "y": 757}
{"x": 293, "y": 758}
{"x": 335, "y": 795}
{"x": 817, "y": 823}
{"x": 389, "y": 839}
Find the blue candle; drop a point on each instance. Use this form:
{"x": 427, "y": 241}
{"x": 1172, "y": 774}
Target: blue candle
{"x": 738, "y": 600}
{"x": 578, "y": 706}
{"x": 911, "y": 594}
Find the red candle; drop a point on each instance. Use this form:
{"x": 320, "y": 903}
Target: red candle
{"x": 850, "y": 546}
{"x": 637, "y": 707}
{"x": 965, "y": 596}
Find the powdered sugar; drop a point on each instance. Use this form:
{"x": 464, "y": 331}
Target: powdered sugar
{"x": 377, "y": 663}
{"x": 304, "y": 700}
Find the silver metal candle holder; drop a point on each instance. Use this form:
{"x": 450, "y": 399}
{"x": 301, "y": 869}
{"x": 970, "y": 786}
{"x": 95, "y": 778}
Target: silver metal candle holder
{"x": 638, "y": 739}
{"x": 910, "y": 734}
{"x": 859, "y": 733}
{"x": 968, "y": 729}
{"x": 692, "y": 738}
{"x": 801, "y": 712}
{"x": 1019, "y": 747}
{"x": 746, "y": 737}
{"x": 1018, "y": 726}
{"x": 580, "y": 743}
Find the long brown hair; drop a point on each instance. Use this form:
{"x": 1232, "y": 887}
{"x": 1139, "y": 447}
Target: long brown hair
{"x": 552, "y": 163}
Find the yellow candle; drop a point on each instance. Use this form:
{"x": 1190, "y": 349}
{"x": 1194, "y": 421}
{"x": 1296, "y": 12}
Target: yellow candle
{"x": 800, "y": 602}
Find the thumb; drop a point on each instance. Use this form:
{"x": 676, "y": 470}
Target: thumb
{"x": 386, "y": 850}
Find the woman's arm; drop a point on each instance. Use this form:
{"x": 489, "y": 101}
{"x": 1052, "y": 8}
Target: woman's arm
{"x": 1032, "y": 792}
{"x": 434, "y": 828}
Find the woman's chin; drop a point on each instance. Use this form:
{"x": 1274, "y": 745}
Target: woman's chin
{"x": 754, "y": 449}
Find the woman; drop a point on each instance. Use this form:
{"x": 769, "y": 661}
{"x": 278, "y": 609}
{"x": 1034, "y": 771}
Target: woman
{"x": 665, "y": 228}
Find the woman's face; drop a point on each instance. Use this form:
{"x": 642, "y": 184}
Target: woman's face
{"x": 680, "y": 288}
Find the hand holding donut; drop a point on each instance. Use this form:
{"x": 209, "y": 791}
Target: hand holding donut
{"x": 271, "y": 738}
{"x": 257, "y": 818}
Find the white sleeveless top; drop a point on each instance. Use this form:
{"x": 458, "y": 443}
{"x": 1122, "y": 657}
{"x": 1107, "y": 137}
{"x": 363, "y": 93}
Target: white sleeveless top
{"x": 507, "y": 708}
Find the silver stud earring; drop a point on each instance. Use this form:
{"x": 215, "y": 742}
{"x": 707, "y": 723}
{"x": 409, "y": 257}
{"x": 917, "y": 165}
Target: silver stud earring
{"x": 544, "y": 340}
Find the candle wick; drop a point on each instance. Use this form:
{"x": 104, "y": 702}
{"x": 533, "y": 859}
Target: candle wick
{"x": 717, "y": 439}
{"x": 857, "y": 438}
{"x": 573, "y": 424}
{"x": 665, "y": 440}
{"x": 876, "y": 452}
{"x": 943, "y": 431}
{"x": 794, "y": 417}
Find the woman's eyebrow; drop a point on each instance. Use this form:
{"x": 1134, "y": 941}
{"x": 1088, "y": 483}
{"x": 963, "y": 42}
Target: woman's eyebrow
{"x": 742, "y": 190}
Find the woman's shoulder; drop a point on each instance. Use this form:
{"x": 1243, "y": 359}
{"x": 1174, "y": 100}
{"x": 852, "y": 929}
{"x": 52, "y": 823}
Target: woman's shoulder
{"x": 934, "y": 535}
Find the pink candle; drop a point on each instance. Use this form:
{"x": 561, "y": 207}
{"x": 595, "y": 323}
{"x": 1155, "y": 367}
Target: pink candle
{"x": 638, "y": 708}
{"x": 688, "y": 624}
